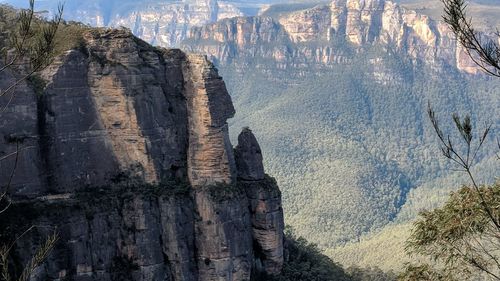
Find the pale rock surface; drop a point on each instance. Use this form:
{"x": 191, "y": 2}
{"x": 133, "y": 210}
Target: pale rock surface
{"x": 309, "y": 38}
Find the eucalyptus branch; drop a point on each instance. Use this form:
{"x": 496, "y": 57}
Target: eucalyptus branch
{"x": 35, "y": 40}
{"x": 41, "y": 254}
{"x": 465, "y": 162}
{"x": 40, "y": 51}
{"x": 484, "y": 52}
{"x": 26, "y": 20}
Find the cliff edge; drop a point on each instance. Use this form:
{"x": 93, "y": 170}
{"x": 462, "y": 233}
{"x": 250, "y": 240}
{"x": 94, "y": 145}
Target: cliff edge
{"x": 124, "y": 152}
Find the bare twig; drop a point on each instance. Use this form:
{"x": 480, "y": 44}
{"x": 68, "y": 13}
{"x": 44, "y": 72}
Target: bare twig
{"x": 5, "y": 190}
{"x": 38, "y": 46}
{"x": 465, "y": 162}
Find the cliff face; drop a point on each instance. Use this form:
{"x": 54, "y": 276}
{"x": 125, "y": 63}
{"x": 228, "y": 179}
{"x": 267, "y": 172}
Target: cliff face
{"x": 167, "y": 24}
{"x": 159, "y": 22}
{"x": 125, "y": 153}
{"x": 329, "y": 35}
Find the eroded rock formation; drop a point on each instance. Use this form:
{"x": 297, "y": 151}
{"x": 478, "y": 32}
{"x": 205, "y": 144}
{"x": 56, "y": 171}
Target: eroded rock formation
{"x": 125, "y": 153}
{"x": 249, "y": 157}
{"x": 162, "y": 23}
{"x": 329, "y": 35}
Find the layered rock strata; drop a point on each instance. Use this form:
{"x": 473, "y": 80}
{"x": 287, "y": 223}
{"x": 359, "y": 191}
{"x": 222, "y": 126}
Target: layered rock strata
{"x": 124, "y": 152}
{"x": 329, "y": 35}
{"x": 162, "y": 23}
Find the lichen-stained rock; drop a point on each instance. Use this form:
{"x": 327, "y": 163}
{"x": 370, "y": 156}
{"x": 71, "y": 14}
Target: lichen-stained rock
{"x": 307, "y": 25}
{"x": 119, "y": 104}
{"x": 177, "y": 217}
{"x": 237, "y": 37}
{"x": 210, "y": 155}
{"x": 248, "y": 156}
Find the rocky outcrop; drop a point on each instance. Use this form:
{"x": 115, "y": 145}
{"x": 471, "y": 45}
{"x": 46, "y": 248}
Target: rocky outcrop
{"x": 329, "y": 35}
{"x": 124, "y": 151}
{"x": 267, "y": 219}
{"x": 249, "y": 157}
{"x": 210, "y": 156}
{"x": 265, "y": 203}
{"x": 224, "y": 234}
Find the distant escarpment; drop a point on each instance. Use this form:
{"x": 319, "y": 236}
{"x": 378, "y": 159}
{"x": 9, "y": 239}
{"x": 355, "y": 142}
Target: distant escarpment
{"x": 162, "y": 23}
{"x": 339, "y": 95}
{"x": 329, "y": 35}
{"x": 124, "y": 152}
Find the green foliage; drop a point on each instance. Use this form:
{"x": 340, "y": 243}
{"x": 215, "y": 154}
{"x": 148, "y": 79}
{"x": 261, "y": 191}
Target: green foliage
{"x": 125, "y": 186}
{"x": 37, "y": 83}
{"x": 351, "y": 152}
{"x": 70, "y": 36}
{"x": 461, "y": 235}
{"x": 370, "y": 274}
{"x": 221, "y": 192}
{"x": 423, "y": 272}
{"x": 351, "y": 145}
{"x": 384, "y": 249}
{"x": 307, "y": 263}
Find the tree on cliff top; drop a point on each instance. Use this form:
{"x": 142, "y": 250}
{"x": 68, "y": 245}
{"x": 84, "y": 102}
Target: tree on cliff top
{"x": 33, "y": 39}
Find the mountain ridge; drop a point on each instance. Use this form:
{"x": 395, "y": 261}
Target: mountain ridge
{"x": 343, "y": 91}
{"x": 377, "y": 22}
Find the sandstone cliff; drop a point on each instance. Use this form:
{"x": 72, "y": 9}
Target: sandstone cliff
{"x": 329, "y": 35}
{"x": 125, "y": 154}
{"x": 167, "y": 24}
{"x": 159, "y": 22}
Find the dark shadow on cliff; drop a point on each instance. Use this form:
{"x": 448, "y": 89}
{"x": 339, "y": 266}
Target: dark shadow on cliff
{"x": 306, "y": 262}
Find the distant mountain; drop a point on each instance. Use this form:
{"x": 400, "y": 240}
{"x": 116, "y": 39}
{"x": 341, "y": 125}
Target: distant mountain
{"x": 338, "y": 94}
{"x": 160, "y": 22}
{"x": 167, "y": 22}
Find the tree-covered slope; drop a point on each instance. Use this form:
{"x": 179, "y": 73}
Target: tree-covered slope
{"x": 343, "y": 120}
{"x": 347, "y": 149}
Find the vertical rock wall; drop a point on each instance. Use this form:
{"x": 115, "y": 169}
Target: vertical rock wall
{"x": 210, "y": 156}
{"x": 126, "y": 154}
